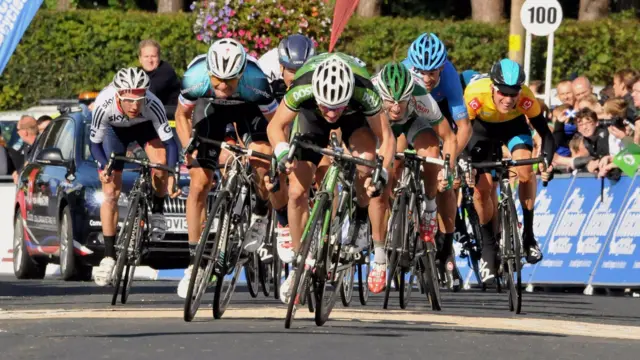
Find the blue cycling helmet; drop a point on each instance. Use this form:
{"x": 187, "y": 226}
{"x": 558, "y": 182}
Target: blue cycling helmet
{"x": 427, "y": 52}
{"x": 507, "y": 75}
{"x": 294, "y": 50}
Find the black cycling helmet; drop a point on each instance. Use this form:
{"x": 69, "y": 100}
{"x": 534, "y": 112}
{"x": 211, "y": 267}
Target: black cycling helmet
{"x": 508, "y": 76}
{"x": 294, "y": 50}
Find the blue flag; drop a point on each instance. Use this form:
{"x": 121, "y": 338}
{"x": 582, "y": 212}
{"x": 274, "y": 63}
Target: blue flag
{"x": 15, "y": 17}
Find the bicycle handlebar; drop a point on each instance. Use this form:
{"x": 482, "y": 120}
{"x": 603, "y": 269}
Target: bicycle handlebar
{"x": 144, "y": 163}
{"x": 196, "y": 140}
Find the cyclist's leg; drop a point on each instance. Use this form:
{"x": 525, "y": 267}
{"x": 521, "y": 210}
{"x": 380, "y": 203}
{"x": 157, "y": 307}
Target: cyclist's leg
{"x": 521, "y": 146}
{"x": 109, "y": 208}
{"x": 154, "y": 148}
{"x": 201, "y": 173}
{"x": 252, "y": 129}
{"x": 362, "y": 143}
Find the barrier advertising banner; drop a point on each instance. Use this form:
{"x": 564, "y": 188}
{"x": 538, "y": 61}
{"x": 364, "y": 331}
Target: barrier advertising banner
{"x": 619, "y": 263}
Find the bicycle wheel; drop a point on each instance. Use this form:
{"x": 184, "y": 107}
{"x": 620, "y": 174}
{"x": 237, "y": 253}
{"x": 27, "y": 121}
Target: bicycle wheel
{"x": 327, "y": 284}
{"x": 395, "y": 239}
{"x": 251, "y": 273}
{"x": 265, "y": 270}
{"x": 123, "y": 242}
{"x": 346, "y": 291}
{"x": 406, "y": 286}
{"x": 300, "y": 287}
{"x": 232, "y": 265}
{"x": 517, "y": 256}
{"x": 363, "y": 270}
{"x": 474, "y": 255}
{"x": 506, "y": 256}
{"x": 430, "y": 277}
{"x": 207, "y": 253}
{"x": 134, "y": 260}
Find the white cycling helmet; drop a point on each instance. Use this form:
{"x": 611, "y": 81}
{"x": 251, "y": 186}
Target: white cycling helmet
{"x": 226, "y": 59}
{"x": 131, "y": 79}
{"x": 333, "y": 82}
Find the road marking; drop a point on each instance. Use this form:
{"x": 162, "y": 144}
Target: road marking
{"x": 520, "y": 324}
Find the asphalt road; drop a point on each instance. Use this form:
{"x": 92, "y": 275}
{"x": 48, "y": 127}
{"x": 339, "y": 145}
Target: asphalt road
{"x": 52, "y": 319}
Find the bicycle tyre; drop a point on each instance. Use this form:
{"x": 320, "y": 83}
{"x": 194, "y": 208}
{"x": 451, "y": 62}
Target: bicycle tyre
{"x": 430, "y": 276}
{"x": 251, "y": 273}
{"x": 517, "y": 252}
{"x": 406, "y": 287}
{"x": 472, "y": 216}
{"x": 326, "y": 288}
{"x": 192, "y": 301}
{"x": 395, "y": 232}
{"x": 363, "y": 278}
{"x": 131, "y": 268}
{"x": 301, "y": 276}
{"x": 233, "y": 253}
{"x": 265, "y": 271}
{"x": 124, "y": 239}
{"x": 346, "y": 290}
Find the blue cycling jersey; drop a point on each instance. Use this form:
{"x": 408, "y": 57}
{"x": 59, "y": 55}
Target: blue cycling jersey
{"x": 253, "y": 87}
{"x": 449, "y": 89}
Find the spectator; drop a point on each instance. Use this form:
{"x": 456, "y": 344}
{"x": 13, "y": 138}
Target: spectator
{"x": 28, "y": 132}
{"x": 591, "y": 102}
{"x": 581, "y": 88}
{"x": 564, "y": 129}
{"x": 164, "y": 81}
{"x": 622, "y": 83}
{"x": 606, "y": 93}
{"x": 536, "y": 87}
{"x": 635, "y": 94}
{"x": 596, "y": 139}
{"x": 43, "y": 121}
{"x": 565, "y": 93}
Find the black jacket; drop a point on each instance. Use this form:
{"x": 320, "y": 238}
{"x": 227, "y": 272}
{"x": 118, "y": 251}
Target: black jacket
{"x": 598, "y": 143}
{"x": 165, "y": 83}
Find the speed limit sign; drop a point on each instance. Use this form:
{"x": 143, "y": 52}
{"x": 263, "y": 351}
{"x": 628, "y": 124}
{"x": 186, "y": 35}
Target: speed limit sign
{"x": 541, "y": 17}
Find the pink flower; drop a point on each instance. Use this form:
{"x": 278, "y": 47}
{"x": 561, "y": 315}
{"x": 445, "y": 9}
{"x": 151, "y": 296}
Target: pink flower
{"x": 267, "y": 41}
{"x": 267, "y": 21}
{"x": 219, "y": 34}
{"x": 223, "y": 28}
{"x": 235, "y": 34}
{"x": 253, "y": 53}
{"x": 248, "y": 34}
{"x": 199, "y": 37}
{"x": 304, "y": 23}
{"x": 228, "y": 34}
{"x": 241, "y": 32}
{"x": 232, "y": 12}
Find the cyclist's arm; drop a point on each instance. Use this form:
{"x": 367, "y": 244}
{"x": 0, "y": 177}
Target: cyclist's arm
{"x": 449, "y": 141}
{"x": 183, "y": 122}
{"x": 382, "y": 130}
{"x": 98, "y": 129}
{"x": 457, "y": 107}
{"x": 276, "y": 130}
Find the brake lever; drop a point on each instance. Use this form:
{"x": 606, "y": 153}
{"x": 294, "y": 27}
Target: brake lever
{"x": 273, "y": 175}
{"x": 376, "y": 176}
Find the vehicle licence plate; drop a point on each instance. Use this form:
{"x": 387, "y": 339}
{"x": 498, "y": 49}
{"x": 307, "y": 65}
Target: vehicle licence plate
{"x": 178, "y": 225}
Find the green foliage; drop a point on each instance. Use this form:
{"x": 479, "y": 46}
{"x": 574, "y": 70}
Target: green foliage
{"x": 65, "y": 53}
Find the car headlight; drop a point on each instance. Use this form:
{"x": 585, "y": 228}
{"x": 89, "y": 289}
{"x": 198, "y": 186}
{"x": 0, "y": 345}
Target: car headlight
{"x": 96, "y": 198}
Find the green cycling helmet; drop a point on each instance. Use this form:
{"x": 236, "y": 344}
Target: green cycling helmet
{"x": 395, "y": 82}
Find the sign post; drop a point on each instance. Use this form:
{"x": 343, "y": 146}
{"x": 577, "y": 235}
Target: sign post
{"x": 541, "y": 18}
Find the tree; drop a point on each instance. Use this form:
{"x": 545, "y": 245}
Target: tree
{"x": 167, "y": 6}
{"x": 63, "y": 5}
{"x": 369, "y": 8}
{"x": 488, "y": 11}
{"x": 593, "y": 10}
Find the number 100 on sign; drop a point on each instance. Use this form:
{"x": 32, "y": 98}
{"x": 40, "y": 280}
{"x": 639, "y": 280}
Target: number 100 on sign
{"x": 541, "y": 17}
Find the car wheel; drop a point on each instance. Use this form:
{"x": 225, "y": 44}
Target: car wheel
{"x": 24, "y": 267}
{"x": 70, "y": 267}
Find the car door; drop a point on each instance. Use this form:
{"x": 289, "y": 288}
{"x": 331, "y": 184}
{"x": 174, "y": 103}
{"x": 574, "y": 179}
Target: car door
{"x": 44, "y": 201}
{"x": 55, "y": 176}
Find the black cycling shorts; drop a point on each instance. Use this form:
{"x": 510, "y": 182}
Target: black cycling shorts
{"x": 210, "y": 121}
{"x": 117, "y": 139}
{"x": 487, "y": 139}
{"x": 315, "y": 128}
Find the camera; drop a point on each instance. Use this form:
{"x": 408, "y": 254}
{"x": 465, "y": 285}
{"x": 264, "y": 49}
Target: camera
{"x": 616, "y": 121}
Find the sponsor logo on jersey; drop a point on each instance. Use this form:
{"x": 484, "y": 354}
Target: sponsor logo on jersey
{"x": 166, "y": 128}
{"x": 193, "y": 88}
{"x": 107, "y": 103}
{"x": 371, "y": 100}
{"x": 302, "y": 93}
{"x": 526, "y": 103}
{"x": 421, "y": 107}
{"x": 475, "y": 104}
{"x": 117, "y": 118}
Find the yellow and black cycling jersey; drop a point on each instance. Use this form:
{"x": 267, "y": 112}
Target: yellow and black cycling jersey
{"x": 478, "y": 97}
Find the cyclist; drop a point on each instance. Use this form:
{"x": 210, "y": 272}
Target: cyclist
{"x": 333, "y": 91}
{"x": 125, "y": 112}
{"x": 217, "y": 89}
{"x": 427, "y": 56}
{"x": 500, "y": 106}
{"x": 280, "y": 64}
{"x": 414, "y": 117}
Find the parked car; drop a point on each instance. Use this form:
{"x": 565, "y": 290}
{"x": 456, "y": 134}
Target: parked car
{"x": 57, "y": 207}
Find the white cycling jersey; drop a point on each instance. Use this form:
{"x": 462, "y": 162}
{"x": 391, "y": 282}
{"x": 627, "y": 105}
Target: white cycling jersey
{"x": 106, "y": 114}
{"x": 270, "y": 65}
